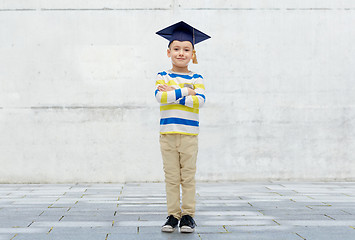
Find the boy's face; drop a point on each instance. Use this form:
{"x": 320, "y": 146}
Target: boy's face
{"x": 180, "y": 53}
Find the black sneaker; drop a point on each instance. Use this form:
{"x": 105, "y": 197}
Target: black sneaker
{"x": 187, "y": 224}
{"x": 170, "y": 224}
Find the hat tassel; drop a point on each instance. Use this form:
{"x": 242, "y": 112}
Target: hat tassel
{"x": 194, "y": 58}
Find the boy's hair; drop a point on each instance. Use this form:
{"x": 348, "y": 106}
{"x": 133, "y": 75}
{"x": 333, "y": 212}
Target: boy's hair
{"x": 193, "y": 47}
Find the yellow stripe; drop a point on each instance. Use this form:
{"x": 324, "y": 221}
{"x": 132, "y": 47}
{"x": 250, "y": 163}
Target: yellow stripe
{"x": 159, "y": 82}
{"x": 195, "y": 101}
{"x": 199, "y": 86}
{"x": 164, "y": 97}
{"x": 179, "y": 133}
{"x": 179, "y": 107}
{"x": 171, "y": 83}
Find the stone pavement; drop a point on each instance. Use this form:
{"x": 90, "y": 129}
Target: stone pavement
{"x": 268, "y": 210}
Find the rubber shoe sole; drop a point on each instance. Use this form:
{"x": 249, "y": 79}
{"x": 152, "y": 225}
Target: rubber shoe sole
{"x": 167, "y": 229}
{"x": 186, "y": 229}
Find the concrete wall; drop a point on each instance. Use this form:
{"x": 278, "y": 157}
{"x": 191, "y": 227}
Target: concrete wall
{"x": 77, "y": 89}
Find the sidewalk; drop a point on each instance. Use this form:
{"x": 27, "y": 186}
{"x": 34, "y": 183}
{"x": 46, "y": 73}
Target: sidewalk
{"x": 268, "y": 210}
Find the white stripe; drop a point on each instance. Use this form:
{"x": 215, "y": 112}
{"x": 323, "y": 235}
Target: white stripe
{"x": 178, "y": 128}
{"x": 179, "y": 114}
{"x": 174, "y": 113}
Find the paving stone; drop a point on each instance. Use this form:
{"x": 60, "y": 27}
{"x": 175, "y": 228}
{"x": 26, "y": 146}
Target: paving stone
{"x": 141, "y": 217}
{"x": 126, "y": 229}
{"x": 251, "y": 235}
{"x": 328, "y": 233}
{"x": 80, "y": 230}
{"x": 62, "y": 236}
{"x": 94, "y": 206}
{"x": 5, "y": 236}
{"x": 146, "y": 208}
{"x": 13, "y": 222}
{"x": 318, "y": 223}
{"x": 242, "y": 222}
{"x": 279, "y": 218}
{"x": 342, "y": 217}
{"x": 99, "y": 218}
{"x": 136, "y": 223}
{"x": 4, "y": 230}
{"x": 53, "y": 210}
{"x": 210, "y": 229}
{"x": 96, "y": 213}
{"x": 156, "y": 236}
{"x": 229, "y": 213}
{"x": 70, "y": 224}
{"x": 271, "y": 228}
{"x": 272, "y": 210}
{"x": 152, "y": 230}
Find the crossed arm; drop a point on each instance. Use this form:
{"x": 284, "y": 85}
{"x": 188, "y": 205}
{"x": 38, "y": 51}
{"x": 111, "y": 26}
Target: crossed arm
{"x": 165, "y": 88}
{"x": 185, "y": 96}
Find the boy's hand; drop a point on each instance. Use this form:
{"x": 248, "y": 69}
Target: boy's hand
{"x": 165, "y": 88}
{"x": 191, "y": 91}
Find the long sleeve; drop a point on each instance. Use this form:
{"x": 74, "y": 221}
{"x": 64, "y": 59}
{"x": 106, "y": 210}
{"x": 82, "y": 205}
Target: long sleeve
{"x": 169, "y": 96}
{"x": 199, "y": 99}
{"x": 179, "y": 112}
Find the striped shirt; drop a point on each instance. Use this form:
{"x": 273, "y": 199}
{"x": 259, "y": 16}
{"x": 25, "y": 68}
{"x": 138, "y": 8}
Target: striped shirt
{"x": 179, "y": 112}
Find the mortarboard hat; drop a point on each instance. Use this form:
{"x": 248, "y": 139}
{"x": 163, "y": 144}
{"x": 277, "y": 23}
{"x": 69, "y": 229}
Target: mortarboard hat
{"x": 182, "y": 31}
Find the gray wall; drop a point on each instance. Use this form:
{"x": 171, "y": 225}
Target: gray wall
{"x": 77, "y": 89}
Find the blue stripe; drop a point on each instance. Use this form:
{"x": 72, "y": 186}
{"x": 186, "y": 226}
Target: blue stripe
{"x": 197, "y": 76}
{"x": 182, "y": 101}
{"x": 174, "y": 75}
{"x": 201, "y": 96}
{"x": 156, "y": 91}
{"x": 178, "y": 93}
{"x": 165, "y": 121}
{"x": 162, "y": 73}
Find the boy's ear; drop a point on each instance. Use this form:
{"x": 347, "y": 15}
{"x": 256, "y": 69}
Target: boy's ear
{"x": 168, "y": 52}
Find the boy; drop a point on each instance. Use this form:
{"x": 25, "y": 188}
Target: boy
{"x": 180, "y": 93}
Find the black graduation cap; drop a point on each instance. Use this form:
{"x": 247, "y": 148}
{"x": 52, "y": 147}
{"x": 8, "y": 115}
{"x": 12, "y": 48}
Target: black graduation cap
{"x": 182, "y": 31}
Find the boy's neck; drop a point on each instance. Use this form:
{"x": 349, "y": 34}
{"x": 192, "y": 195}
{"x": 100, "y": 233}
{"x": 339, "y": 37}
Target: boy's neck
{"x": 180, "y": 69}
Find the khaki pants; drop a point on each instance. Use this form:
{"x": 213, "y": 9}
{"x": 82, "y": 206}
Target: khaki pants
{"x": 179, "y": 154}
